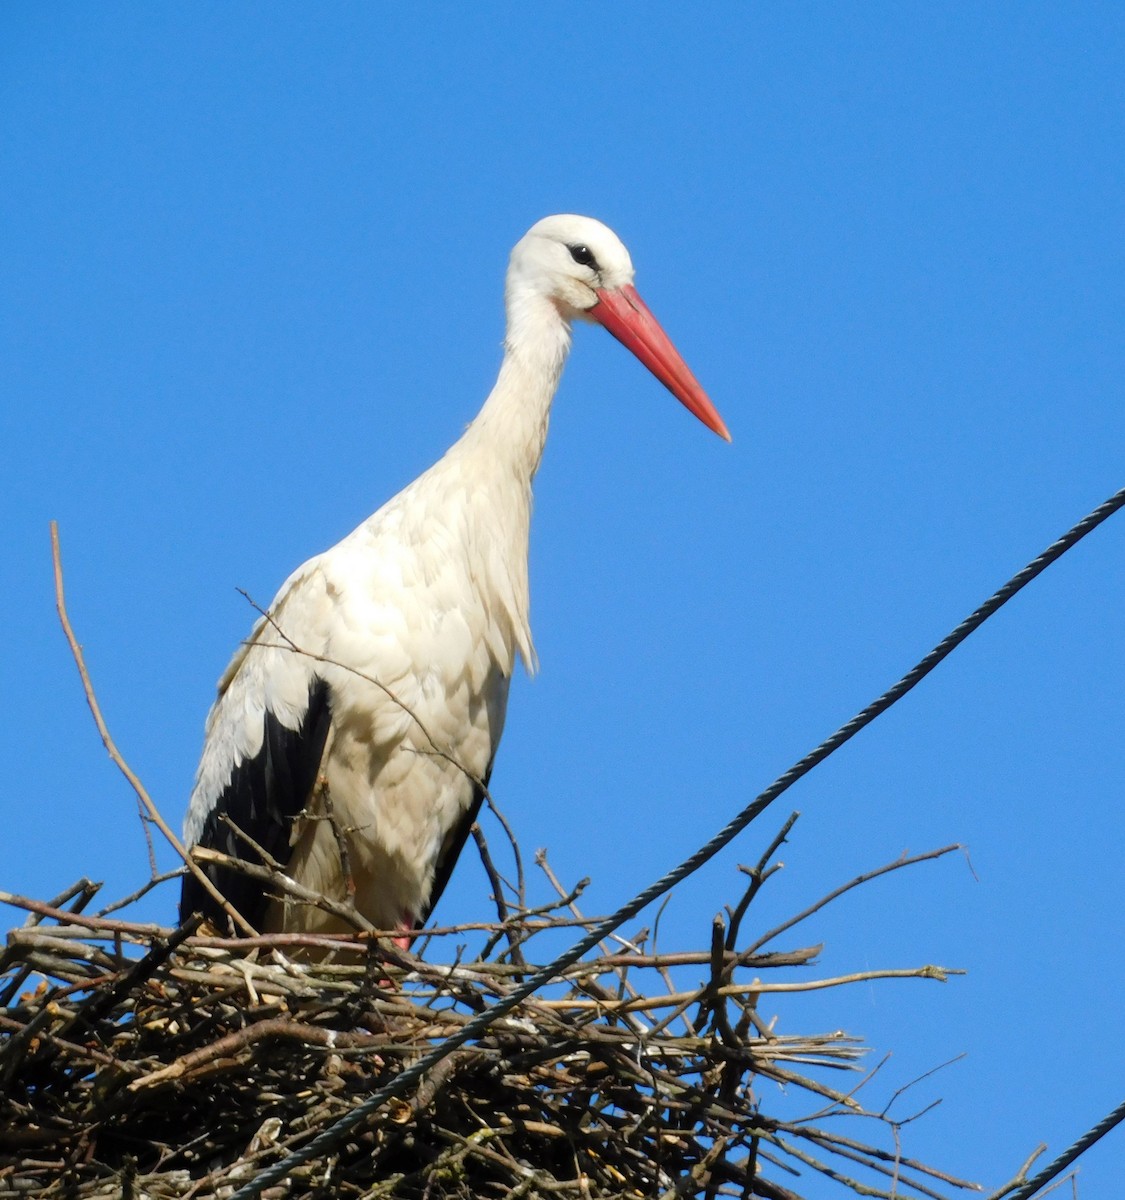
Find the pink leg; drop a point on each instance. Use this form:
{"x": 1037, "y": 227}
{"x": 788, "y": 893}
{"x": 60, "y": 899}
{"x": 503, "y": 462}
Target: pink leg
{"x": 402, "y": 941}
{"x": 406, "y": 924}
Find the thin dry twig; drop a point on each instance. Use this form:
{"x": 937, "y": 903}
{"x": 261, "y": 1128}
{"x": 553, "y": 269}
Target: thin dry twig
{"x": 151, "y": 812}
{"x": 897, "y": 865}
{"x": 284, "y": 886}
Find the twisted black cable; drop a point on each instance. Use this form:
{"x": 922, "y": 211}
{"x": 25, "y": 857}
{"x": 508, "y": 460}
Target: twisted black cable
{"x": 331, "y": 1137}
{"x": 1028, "y": 1189}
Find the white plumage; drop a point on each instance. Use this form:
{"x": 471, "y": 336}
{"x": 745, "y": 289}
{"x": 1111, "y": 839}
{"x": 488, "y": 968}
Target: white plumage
{"x": 381, "y": 672}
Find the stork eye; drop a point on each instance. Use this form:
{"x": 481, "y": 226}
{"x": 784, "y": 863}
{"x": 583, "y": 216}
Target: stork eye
{"x": 583, "y": 256}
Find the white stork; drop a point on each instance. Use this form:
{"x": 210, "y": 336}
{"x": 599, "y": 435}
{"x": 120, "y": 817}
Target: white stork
{"x": 381, "y": 671}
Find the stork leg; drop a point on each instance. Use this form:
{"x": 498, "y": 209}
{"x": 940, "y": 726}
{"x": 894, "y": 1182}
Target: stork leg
{"x": 407, "y": 924}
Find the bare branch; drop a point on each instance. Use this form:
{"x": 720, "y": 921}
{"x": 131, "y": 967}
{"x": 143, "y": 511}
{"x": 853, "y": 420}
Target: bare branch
{"x": 143, "y": 797}
{"x": 836, "y": 893}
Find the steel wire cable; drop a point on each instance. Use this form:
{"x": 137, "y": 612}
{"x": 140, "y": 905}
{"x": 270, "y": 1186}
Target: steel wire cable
{"x": 331, "y": 1137}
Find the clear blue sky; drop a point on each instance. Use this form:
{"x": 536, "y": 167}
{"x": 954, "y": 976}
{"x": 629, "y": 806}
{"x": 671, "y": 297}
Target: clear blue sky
{"x": 252, "y": 266}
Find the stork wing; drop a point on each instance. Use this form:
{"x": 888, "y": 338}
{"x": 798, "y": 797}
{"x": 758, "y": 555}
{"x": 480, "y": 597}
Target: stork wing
{"x": 263, "y": 796}
{"x": 265, "y": 740}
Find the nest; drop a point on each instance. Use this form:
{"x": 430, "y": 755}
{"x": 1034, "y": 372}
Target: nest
{"x": 143, "y": 1061}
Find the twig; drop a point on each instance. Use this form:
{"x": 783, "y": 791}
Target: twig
{"x": 341, "y": 836}
{"x": 941, "y": 974}
{"x": 285, "y": 886}
{"x": 103, "y": 730}
{"x": 131, "y": 928}
{"x": 542, "y": 863}
{"x": 521, "y": 881}
{"x": 143, "y": 890}
{"x": 503, "y": 912}
{"x": 758, "y": 875}
{"x": 836, "y": 893}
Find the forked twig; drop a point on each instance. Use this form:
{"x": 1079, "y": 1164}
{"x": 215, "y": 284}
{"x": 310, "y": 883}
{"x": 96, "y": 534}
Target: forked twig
{"x": 900, "y": 862}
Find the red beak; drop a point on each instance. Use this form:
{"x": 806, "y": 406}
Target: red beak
{"x": 628, "y": 318}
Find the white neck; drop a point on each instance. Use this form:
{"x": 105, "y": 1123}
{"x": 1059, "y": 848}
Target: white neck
{"x": 511, "y": 428}
{"x": 498, "y": 455}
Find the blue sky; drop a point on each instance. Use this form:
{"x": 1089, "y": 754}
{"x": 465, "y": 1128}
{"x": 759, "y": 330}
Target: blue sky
{"x": 253, "y": 259}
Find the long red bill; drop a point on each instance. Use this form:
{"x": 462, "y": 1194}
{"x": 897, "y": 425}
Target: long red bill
{"x": 627, "y": 317}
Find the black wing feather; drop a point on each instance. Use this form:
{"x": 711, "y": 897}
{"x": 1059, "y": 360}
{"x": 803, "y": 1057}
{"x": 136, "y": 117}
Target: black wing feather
{"x": 452, "y": 852}
{"x": 263, "y": 796}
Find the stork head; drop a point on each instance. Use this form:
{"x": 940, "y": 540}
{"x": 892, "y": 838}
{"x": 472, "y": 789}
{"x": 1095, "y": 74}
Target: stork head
{"x": 582, "y": 267}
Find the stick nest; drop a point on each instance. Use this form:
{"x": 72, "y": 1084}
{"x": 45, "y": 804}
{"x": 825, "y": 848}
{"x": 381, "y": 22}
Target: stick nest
{"x": 141, "y": 1061}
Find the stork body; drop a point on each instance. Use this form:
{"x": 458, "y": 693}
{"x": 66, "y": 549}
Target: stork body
{"x": 379, "y": 677}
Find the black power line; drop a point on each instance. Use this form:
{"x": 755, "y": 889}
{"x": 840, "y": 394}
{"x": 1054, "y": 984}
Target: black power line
{"x": 330, "y": 1138}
